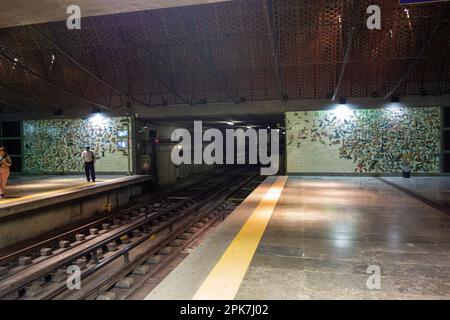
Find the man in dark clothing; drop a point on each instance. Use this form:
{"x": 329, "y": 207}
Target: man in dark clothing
{"x": 89, "y": 160}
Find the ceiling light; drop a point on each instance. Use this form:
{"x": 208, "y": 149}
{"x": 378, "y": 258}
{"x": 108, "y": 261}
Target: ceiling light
{"x": 395, "y": 99}
{"x": 343, "y": 112}
{"x": 97, "y": 119}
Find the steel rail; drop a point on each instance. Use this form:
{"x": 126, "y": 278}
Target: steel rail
{"x": 126, "y": 269}
{"x": 9, "y": 285}
{"x": 117, "y": 212}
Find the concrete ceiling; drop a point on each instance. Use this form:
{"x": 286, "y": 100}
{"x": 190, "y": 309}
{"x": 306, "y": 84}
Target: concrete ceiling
{"x": 23, "y": 12}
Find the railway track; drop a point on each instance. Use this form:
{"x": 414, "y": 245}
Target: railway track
{"x": 29, "y": 254}
{"x": 123, "y": 250}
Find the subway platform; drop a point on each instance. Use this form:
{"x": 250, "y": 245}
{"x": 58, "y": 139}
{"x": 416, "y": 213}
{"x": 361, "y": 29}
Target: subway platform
{"x": 30, "y": 192}
{"x": 322, "y": 238}
{"x": 32, "y": 187}
{"x": 36, "y": 205}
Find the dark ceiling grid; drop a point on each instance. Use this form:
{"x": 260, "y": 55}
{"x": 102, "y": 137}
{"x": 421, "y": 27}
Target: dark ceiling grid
{"x": 177, "y": 63}
{"x": 7, "y": 93}
{"x": 62, "y": 70}
{"x": 222, "y": 52}
{"x": 144, "y": 56}
{"x": 20, "y": 52}
{"x": 147, "y": 26}
{"x": 418, "y": 58}
{"x": 63, "y": 77}
{"x": 201, "y": 48}
{"x": 17, "y": 78}
{"x": 202, "y": 30}
{"x": 274, "y": 44}
{"x": 85, "y": 58}
{"x": 140, "y": 81}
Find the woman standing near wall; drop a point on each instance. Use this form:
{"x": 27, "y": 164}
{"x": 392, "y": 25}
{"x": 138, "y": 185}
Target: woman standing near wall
{"x": 5, "y": 163}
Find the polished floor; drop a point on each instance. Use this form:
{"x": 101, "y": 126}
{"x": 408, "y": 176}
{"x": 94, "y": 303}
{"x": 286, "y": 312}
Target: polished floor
{"x": 435, "y": 189}
{"x": 324, "y": 239}
{"x": 30, "y": 187}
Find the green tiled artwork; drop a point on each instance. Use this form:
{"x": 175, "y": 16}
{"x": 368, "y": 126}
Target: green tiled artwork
{"x": 363, "y": 140}
{"x": 55, "y": 146}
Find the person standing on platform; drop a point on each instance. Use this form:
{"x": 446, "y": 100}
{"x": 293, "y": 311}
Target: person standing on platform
{"x": 5, "y": 163}
{"x": 89, "y": 162}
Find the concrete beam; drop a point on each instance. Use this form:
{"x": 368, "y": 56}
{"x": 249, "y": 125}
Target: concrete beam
{"x": 268, "y": 108}
{"x": 231, "y": 111}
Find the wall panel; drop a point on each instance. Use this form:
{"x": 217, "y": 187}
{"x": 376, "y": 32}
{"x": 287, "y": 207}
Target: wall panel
{"x": 363, "y": 141}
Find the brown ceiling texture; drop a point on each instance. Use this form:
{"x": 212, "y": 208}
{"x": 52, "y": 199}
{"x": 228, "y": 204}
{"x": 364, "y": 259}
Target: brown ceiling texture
{"x": 237, "y": 51}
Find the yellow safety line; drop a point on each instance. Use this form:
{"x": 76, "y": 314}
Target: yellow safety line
{"x": 38, "y": 195}
{"x": 225, "y": 278}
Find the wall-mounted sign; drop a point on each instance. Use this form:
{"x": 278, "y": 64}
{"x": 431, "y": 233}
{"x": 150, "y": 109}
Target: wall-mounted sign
{"x": 122, "y": 133}
{"x": 122, "y": 139}
{"x": 123, "y": 144}
{"x": 420, "y": 1}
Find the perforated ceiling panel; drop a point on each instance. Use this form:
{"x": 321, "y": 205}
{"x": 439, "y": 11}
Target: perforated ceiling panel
{"x": 235, "y": 51}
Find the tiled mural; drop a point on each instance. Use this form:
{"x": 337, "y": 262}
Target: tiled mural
{"x": 363, "y": 141}
{"x": 55, "y": 146}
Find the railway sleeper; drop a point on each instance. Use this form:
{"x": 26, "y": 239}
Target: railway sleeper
{"x": 3, "y": 271}
{"x": 198, "y": 225}
{"x": 112, "y": 246}
{"x": 58, "y": 275}
{"x": 137, "y": 233}
{"x": 63, "y": 244}
{"x": 79, "y": 237}
{"x": 81, "y": 263}
{"x": 125, "y": 283}
{"x": 176, "y": 243}
{"x": 166, "y": 250}
{"x": 155, "y": 259}
{"x": 24, "y": 261}
{"x": 33, "y": 290}
{"x": 46, "y": 252}
{"x": 141, "y": 270}
{"x": 192, "y": 230}
{"x": 184, "y": 236}
{"x": 107, "y": 296}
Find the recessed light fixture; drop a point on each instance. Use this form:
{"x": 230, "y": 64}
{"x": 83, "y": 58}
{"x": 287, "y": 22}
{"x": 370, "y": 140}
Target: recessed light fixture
{"x": 395, "y": 99}
{"x": 95, "y": 109}
{"x": 230, "y": 123}
{"x": 97, "y": 119}
{"x": 342, "y": 112}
